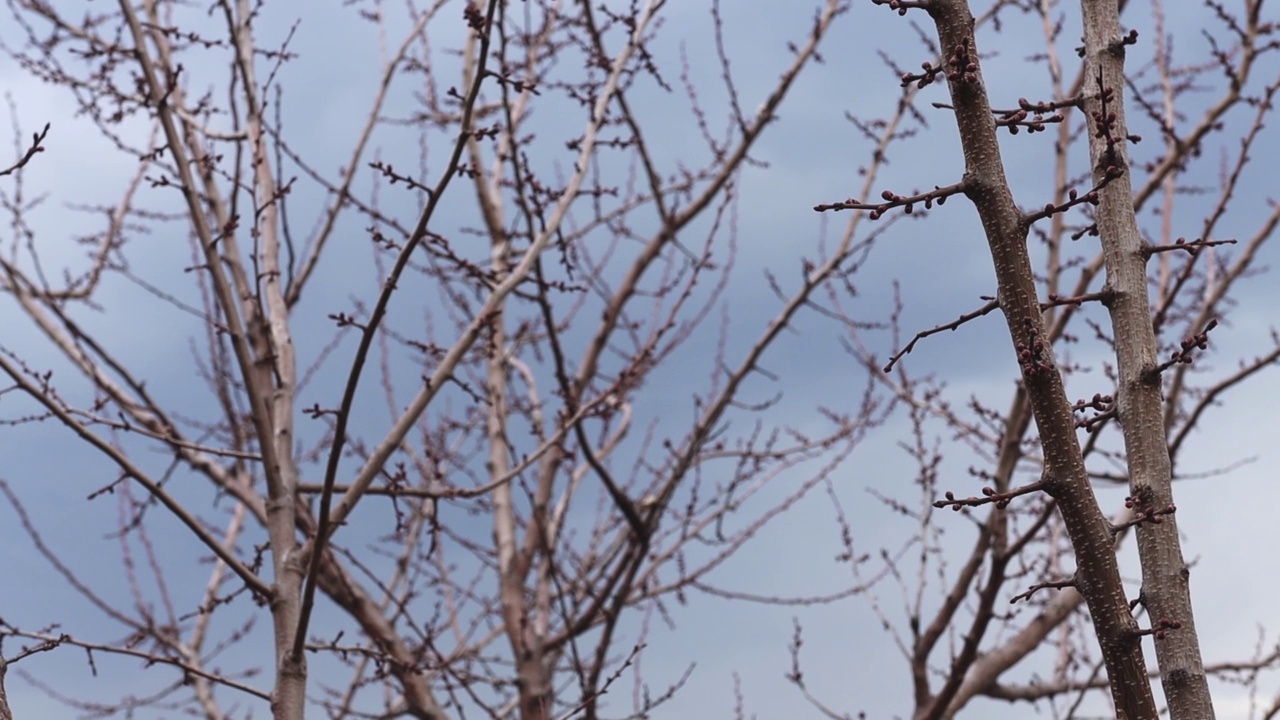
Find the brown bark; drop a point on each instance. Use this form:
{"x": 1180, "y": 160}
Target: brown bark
{"x": 1139, "y": 403}
{"x": 260, "y": 342}
{"x": 5, "y": 712}
{"x": 1097, "y": 574}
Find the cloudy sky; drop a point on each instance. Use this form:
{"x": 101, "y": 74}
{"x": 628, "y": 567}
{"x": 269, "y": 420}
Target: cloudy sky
{"x": 809, "y": 156}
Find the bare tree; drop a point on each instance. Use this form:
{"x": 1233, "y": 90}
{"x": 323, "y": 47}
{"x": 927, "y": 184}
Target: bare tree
{"x": 1031, "y": 527}
{"x": 541, "y": 278}
{"x": 466, "y": 417}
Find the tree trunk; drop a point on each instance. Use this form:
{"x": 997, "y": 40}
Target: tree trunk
{"x": 1139, "y": 402}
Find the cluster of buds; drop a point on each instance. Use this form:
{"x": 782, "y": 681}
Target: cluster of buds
{"x": 892, "y": 200}
{"x": 961, "y": 67}
{"x": 1104, "y": 404}
{"x": 989, "y": 495}
{"x": 1100, "y": 402}
{"x": 1145, "y": 513}
{"x": 392, "y": 177}
{"x": 1199, "y": 341}
{"x": 344, "y": 320}
{"x": 1074, "y": 198}
{"x": 1014, "y": 119}
{"x": 474, "y": 17}
{"x": 1104, "y": 121}
{"x": 1163, "y": 625}
{"x": 907, "y": 203}
{"x": 1031, "y": 354}
{"x": 923, "y": 78}
{"x": 1160, "y": 628}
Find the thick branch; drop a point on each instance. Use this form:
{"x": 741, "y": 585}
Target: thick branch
{"x": 1139, "y": 402}
{"x": 1006, "y": 231}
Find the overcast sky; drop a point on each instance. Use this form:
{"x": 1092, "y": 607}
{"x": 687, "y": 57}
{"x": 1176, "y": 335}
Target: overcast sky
{"x": 812, "y": 154}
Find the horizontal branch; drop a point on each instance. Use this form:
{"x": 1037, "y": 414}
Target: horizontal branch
{"x": 50, "y": 642}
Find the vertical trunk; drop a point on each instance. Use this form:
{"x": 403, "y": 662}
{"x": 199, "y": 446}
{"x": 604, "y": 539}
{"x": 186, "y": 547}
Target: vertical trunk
{"x": 5, "y": 713}
{"x": 1165, "y": 589}
{"x": 256, "y": 321}
{"x": 532, "y": 683}
{"x": 1097, "y": 574}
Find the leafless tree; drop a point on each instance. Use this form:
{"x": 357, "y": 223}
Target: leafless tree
{"x": 576, "y": 429}
{"x": 541, "y": 271}
{"x": 1163, "y": 295}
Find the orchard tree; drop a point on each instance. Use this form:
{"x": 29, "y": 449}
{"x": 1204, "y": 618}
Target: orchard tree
{"x": 1163, "y": 295}
{"x": 434, "y": 402}
{"x": 538, "y": 261}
